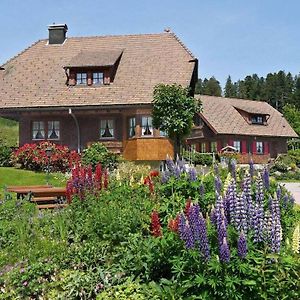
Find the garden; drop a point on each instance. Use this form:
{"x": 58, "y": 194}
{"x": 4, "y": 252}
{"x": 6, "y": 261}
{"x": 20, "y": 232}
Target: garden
{"x": 131, "y": 232}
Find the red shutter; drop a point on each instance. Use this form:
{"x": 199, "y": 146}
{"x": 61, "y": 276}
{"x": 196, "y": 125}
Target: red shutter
{"x": 207, "y": 144}
{"x": 219, "y": 146}
{"x": 244, "y": 147}
{"x": 197, "y": 147}
{"x": 254, "y": 147}
{"x": 266, "y": 148}
{"x": 230, "y": 142}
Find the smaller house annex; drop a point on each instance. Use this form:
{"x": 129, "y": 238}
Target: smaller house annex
{"x": 254, "y": 128}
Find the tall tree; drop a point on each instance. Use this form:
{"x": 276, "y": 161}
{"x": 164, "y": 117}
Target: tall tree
{"x": 292, "y": 115}
{"x": 173, "y": 111}
{"x": 230, "y": 89}
{"x": 212, "y": 87}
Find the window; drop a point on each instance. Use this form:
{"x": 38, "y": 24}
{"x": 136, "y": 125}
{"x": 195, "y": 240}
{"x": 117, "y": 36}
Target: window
{"x": 53, "y": 130}
{"x": 259, "y": 148}
{"x": 106, "y": 129}
{"x": 162, "y": 133}
{"x": 237, "y": 145}
{"x": 213, "y": 146}
{"x": 38, "y": 130}
{"x": 257, "y": 120}
{"x": 98, "y": 78}
{"x": 197, "y": 120}
{"x": 81, "y": 78}
{"x": 203, "y": 147}
{"x": 132, "y": 124}
{"x": 147, "y": 128}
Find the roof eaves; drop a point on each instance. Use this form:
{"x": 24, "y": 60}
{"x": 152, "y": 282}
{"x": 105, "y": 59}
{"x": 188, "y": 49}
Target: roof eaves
{"x": 183, "y": 45}
{"x": 208, "y": 124}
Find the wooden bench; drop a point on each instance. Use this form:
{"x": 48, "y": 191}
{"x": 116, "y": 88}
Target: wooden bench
{"x": 45, "y": 197}
{"x": 12, "y": 188}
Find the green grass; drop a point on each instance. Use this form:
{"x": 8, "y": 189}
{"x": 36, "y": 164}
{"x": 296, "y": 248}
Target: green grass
{"x": 13, "y": 176}
{"x": 9, "y": 132}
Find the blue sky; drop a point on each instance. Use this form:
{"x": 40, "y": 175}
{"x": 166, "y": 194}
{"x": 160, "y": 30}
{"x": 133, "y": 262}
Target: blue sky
{"x": 236, "y": 37}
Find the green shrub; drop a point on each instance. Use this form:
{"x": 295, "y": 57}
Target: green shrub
{"x": 5, "y": 156}
{"x": 98, "y": 153}
{"x": 198, "y": 158}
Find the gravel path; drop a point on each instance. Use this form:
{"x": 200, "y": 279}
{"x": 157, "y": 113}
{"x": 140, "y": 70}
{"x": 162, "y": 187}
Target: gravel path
{"x": 294, "y": 188}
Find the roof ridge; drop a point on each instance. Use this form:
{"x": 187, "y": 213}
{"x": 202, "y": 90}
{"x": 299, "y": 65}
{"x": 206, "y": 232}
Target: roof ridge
{"x": 230, "y": 98}
{"x": 21, "y": 52}
{"x": 113, "y": 35}
{"x": 182, "y": 44}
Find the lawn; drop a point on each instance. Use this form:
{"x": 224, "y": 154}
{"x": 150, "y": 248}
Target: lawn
{"x": 9, "y": 132}
{"x": 13, "y": 176}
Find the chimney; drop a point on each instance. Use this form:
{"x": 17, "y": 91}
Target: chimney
{"x": 57, "y": 33}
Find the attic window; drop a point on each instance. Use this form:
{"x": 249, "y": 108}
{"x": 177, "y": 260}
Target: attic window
{"x": 81, "y": 78}
{"x": 257, "y": 120}
{"x": 98, "y": 78}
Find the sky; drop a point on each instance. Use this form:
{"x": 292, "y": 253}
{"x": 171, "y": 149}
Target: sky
{"x": 229, "y": 37}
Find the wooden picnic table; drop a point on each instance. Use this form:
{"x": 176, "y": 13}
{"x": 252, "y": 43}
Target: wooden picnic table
{"x": 59, "y": 192}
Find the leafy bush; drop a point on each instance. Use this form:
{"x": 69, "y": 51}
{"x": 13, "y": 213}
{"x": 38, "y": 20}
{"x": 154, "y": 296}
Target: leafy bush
{"x": 5, "y": 156}
{"x": 34, "y": 157}
{"x": 97, "y": 153}
{"x": 198, "y": 158}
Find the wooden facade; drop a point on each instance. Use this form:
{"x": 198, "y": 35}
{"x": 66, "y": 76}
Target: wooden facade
{"x": 137, "y": 147}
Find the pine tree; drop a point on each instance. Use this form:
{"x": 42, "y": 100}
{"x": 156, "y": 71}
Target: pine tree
{"x": 230, "y": 89}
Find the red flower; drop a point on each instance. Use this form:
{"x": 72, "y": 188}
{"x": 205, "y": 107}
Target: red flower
{"x": 155, "y": 224}
{"x": 154, "y": 173}
{"x": 173, "y": 224}
{"x": 187, "y": 206}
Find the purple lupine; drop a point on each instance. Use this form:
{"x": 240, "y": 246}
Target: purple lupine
{"x": 193, "y": 219}
{"x": 165, "y": 177}
{"x": 259, "y": 190}
{"x": 278, "y": 193}
{"x": 233, "y": 168}
{"x": 240, "y": 216}
{"x": 251, "y": 168}
{"x": 201, "y": 190}
{"x": 218, "y": 184}
{"x": 224, "y": 251}
{"x": 170, "y": 165}
{"x": 185, "y": 232}
{"x": 248, "y": 198}
{"x": 266, "y": 178}
{"x": 276, "y": 226}
{"x": 213, "y": 215}
{"x": 177, "y": 171}
{"x": 192, "y": 174}
{"x": 242, "y": 246}
{"x": 258, "y": 223}
{"x": 232, "y": 199}
{"x": 216, "y": 169}
{"x": 285, "y": 200}
{"x": 203, "y": 242}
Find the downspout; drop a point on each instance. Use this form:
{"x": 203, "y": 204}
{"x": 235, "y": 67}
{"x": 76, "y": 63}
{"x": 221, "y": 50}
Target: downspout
{"x": 78, "y": 131}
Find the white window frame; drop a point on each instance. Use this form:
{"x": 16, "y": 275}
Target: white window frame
{"x": 147, "y": 120}
{"x": 81, "y": 78}
{"x": 111, "y": 127}
{"x": 38, "y": 126}
{"x": 214, "y": 146}
{"x": 98, "y": 80}
{"x": 203, "y": 147}
{"x": 261, "y": 147}
{"x": 53, "y": 125}
{"x": 237, "y": 145}
{"x": 132, "y": 127}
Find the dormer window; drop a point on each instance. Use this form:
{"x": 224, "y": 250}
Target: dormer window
{"x": 257, "y": 120}
{"x": 98, "y": 78}
{"x": 81, "y": 78}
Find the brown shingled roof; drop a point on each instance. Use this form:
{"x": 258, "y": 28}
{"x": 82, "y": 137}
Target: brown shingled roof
{"x": 36, "y": 77}
{"x": 100, "y": 58}
{"x": 223, "y": 117}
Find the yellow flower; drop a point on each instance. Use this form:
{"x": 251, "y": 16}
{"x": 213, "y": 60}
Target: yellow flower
{"x": 296, "y": 239}
{"x": 131, "y": 181}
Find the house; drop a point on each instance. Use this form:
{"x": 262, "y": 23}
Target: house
{"x": 78, "y": 90}
{"x": 254, "y": 129}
